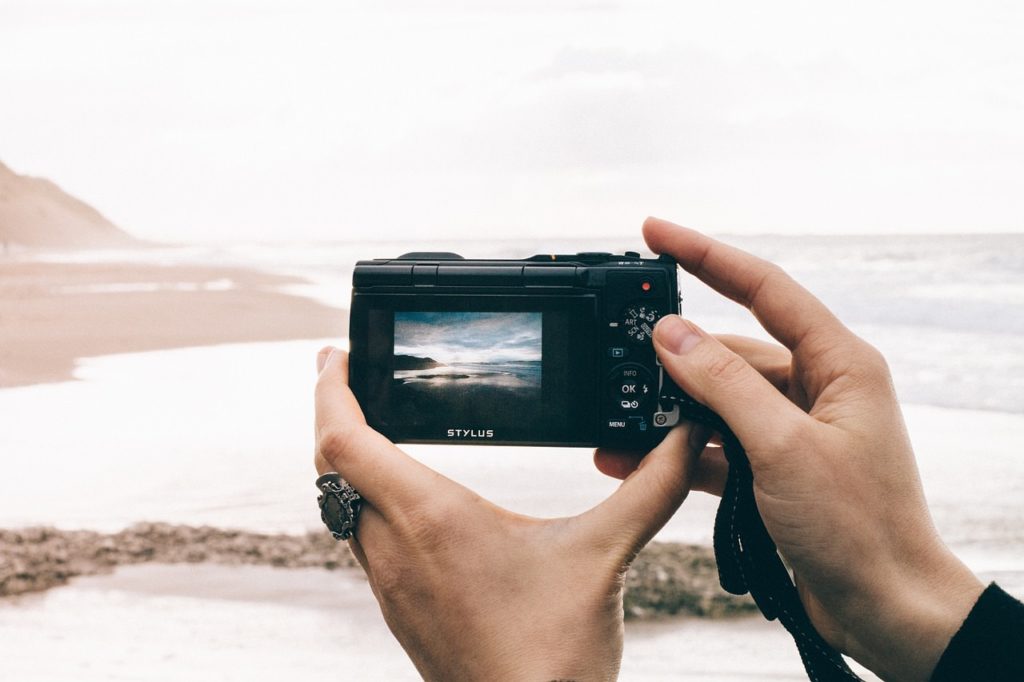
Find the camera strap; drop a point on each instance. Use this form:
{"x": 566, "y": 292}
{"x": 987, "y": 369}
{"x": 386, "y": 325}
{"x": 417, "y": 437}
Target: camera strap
{"x": 748, "y": 560}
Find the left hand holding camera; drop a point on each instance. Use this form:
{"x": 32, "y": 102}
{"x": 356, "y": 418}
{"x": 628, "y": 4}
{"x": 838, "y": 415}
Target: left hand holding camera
{"x": 473, "y": 591}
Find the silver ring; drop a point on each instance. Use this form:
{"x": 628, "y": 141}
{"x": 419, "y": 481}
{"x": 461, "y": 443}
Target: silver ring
{"x": 339, "y": 505}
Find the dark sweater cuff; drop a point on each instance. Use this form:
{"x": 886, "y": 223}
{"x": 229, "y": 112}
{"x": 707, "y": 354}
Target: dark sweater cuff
{"x": 990, "y": 643}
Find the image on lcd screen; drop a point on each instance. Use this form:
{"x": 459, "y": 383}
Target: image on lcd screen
{"x": 467, "y": 364}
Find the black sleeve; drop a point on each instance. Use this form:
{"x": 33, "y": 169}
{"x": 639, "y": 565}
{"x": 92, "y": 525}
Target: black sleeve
{"x": 990, "y": 643}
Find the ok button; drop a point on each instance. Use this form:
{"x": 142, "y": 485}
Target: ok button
{"x": 630, "y": 388}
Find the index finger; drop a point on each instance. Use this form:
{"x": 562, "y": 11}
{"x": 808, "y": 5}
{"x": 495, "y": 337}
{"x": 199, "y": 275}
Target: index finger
{"x": 790, "y": 313}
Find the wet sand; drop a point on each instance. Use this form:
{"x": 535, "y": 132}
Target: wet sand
{"x": 208, "y": 622}
{"x": 52, "y": 314}
{"x": 165, "y": 602}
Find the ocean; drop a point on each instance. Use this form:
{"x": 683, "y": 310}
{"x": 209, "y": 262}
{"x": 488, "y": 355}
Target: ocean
{"x": 515, "y": 374}
{"x": 222, "y": 435}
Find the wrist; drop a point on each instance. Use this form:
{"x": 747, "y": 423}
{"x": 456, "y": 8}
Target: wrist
{"x": 564, "y": 657}
{"x": 914, "y": 616}
{"x": 530, "y": 649}
{"x": 545, "y": 664}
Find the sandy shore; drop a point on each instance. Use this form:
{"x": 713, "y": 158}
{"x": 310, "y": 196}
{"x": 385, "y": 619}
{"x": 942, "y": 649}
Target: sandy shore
{"x": 54, "y": 313}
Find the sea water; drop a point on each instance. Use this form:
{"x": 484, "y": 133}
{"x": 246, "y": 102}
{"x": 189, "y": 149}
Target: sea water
{"x": 222, "y": 435}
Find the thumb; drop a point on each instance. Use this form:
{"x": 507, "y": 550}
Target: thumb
{"x": 762, "y": 418}
{"x": 334, "y": 400}
{"x": 650, "y": 495}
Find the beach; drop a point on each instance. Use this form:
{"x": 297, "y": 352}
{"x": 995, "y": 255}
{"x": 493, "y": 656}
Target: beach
{"x": 168, "y": 407}
{"x": 57, "y": 313}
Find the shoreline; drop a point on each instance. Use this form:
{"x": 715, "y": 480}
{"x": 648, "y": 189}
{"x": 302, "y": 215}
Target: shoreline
{"x": 55, "y": 314}
{"x": 667, "y": 579}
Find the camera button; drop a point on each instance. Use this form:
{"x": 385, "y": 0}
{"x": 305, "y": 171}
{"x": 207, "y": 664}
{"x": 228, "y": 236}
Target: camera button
{"x": 630, "y": 388}
{"x": 617, "y": 352}
{"x": 627, "y": 425}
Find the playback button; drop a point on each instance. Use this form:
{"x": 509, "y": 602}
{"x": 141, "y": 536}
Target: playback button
{"x": 631, "y": 388}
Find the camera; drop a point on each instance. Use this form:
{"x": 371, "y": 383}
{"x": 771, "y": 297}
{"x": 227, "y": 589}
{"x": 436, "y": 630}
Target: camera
{"x": 551, "y": 350}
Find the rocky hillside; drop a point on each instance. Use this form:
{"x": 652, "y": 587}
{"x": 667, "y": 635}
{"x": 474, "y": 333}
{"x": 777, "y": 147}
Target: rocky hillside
{"x": 36, "y": 213}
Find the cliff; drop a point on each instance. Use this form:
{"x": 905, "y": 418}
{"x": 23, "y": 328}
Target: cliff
{"x": 413, "y": 362}
{"x": 36, "y": 213}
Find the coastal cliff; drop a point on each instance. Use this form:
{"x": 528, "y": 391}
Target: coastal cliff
{"x": 403, "y": 362}
{"x": 35, "y": 213}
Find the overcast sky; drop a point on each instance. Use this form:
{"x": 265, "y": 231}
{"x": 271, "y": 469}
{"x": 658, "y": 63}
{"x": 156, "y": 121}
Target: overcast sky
{"x": 243, "y": 120}
{"x": 457, "y": 337}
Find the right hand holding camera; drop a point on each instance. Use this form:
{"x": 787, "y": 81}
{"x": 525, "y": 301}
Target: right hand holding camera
{"x": 834, "y": 473}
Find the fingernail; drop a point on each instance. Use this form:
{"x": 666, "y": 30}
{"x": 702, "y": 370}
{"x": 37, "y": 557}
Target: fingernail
{"x": 676, "y": 334}
{"x": 322, "y": 357}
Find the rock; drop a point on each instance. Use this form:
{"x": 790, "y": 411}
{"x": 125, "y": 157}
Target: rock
{"x": 35, "y": 559}
{"x": 669, "y": 579}
{"x": 666, "y": 578}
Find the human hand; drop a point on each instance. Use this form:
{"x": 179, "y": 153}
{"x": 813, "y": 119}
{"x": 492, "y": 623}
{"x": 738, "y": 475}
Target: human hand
{"x": 835, "y": 478}
{"x": 473, "y": 591}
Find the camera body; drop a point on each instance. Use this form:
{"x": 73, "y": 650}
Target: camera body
{"x": 552, "y": 350}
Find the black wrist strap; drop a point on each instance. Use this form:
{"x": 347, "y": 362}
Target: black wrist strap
{"x": 747, "y": 558}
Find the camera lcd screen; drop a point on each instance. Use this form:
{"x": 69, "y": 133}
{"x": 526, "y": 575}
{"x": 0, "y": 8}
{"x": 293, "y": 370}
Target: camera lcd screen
{"x": 470, "y": 371}
{"x": 477, "y": 369}
{"x": 459, "y": 360}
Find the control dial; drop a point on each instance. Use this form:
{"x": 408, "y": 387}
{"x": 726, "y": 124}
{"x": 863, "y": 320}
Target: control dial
{"x": 639, "y": 322}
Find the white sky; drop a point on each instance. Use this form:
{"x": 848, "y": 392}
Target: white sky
{"x": 232, "y": 120}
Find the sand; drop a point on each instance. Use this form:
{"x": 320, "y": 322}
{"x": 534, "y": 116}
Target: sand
{"x": 52, "y": 314}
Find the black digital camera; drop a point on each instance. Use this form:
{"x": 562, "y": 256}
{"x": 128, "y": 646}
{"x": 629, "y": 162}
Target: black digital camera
{"x": 551, "y": 350}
